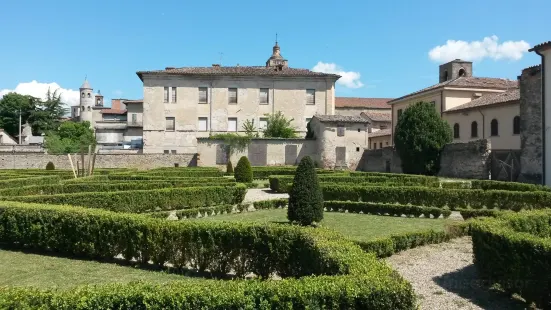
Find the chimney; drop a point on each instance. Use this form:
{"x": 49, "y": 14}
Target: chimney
{"x": 116, "y": 104}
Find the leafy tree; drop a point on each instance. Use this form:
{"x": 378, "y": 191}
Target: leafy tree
{"x": 70, "y": 137}
{"x": 229, "y": 167}
{"x": 419, "y": 137}
{"x": 243, "y": 172}
{"x": 305, "y": 196}
{"x": 10, "y": 106}
{"x": 250, "y": 128}
{"x": 48, "y": 113}
{"x": 279, "y": 126}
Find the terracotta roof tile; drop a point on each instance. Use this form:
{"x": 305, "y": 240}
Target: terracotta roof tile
{"x": 380, "y": 133}
{"x": 368, "y": 103}
{"x": 468, "y": 82}
{"x": 490, "y": 99}
{"x": 377, "y": 116}
{"x": 238, "y": 71}
{"x": 113, "y": 111}
{"x": 341, "y": 118}
{"x": 544, "y": 45}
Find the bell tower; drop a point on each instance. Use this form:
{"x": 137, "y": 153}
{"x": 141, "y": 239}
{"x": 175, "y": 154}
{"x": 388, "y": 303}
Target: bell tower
{"x": 455, "y": 69}
{"x": 276, "y": 60}
{"x": 86, "y": 102}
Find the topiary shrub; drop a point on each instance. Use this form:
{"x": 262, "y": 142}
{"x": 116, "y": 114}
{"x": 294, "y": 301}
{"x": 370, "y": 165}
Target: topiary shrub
{"x": 419, "y": 137}
{"x": 243, "y": 172}
{"x": 305, "y": 197}
{"x": 50, "y": 166}
{"x": 229, "y": 167}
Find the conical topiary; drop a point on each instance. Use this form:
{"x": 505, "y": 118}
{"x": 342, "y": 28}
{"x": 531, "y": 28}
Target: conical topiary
{"x": 229, "y": 167}
{"x": 243, "y": 172}
{"x": 305, "y": 196}
{"x": 50, "y": 166}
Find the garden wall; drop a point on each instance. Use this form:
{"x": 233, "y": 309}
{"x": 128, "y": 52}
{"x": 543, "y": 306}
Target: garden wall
{"x": 459, "y": 160}
{"x": 142, "y": 161}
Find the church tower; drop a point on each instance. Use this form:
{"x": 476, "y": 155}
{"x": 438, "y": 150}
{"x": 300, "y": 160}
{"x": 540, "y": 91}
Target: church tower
{"x": 276, "y": 61}
{"x": 86, "y": 102}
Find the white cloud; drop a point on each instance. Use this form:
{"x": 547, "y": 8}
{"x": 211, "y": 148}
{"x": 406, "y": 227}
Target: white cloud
{"x": 36, "y": 89}
{"x": 118, "y": 93}
{"x": 348, "y": 79}
{"x": 489, "y": 47}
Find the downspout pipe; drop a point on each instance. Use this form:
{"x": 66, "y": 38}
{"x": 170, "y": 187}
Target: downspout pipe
{"x": 542, "y": 115}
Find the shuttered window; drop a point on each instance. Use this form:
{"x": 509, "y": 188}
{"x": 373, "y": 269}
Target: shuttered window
{"x": 203, "y": 124}
{"x": 203, "y": 96}
{"x": 166, "y": 95}
{"x": 170, "y": 122}
{"x": 232, "y": 124}
{"x": 340, "y": 130}
{"x": 264, "y": 96}
{"x": 173, "y": 94}
{"x": 263, "y": 123}
{"x": 232, "y": 95}
{"x": 310, "y": 96}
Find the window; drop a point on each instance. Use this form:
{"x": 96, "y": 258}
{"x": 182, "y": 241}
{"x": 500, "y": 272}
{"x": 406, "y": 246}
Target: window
{"x": 474, "y": 130}
{"x": 387, "y": 143}
{"x": 166, "y": 95}
{"x": 203, "y": 124}
{"x": 359, "y": 130}
{"x": 357, "y": 149}
{"x": 399, "y": 113}
{"x": 173, "y": 94}
{"x": 494, "y": 128}
{"x": 89, "y": 95}
{"x": 446, "y": 75}
{"x": 82, "y": 108}
{"x": 134, "y": 118}
{"x": 264, "y": 96}
{"x": 380, "y": 145}
{"x": 82, "y": 95}
{"x": 433, "y": 104}
{"x": 203, "y": 96}
{"x": 173, "y": 151}
{"x": 456, "y": 131}
{"x": 232, "y": 95}
{"x": 98, "y": 102}
{"x": 232, "y": 124}
{"x": 89, "y": 109}
{"x": 516, "y": 125}
{"x": 167, "y": 151}
{"x": 340, "y": 130}
{"x": 375, "y": 145}
{"x": 461, "y": 72}
{"x": 262, "y": 123}
{"x": 170, "y": 123}
{"x": 310, "y": 96}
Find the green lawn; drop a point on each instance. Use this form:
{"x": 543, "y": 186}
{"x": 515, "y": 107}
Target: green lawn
{"x": 359, "y": 227}
{"x": 22, "y": 269}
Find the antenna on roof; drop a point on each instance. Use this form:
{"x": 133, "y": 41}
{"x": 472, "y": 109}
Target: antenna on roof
{"x": 276, "y": 38}
{"x": 221, "y": 56}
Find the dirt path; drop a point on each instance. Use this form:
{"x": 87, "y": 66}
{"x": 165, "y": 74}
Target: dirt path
{"x": 256, "y": 194}
{"x": 444, "y": 277}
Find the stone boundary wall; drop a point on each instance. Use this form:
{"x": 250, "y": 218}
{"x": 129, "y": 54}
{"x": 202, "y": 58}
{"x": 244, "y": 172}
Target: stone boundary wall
{"x": 459, "y": 160}
{"x": 140, "y": 161}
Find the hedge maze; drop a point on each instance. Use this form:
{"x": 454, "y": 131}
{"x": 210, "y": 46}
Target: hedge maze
{"x": 145, "y": 218}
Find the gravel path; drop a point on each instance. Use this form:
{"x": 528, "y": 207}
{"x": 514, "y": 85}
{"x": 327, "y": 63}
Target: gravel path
{"x": 256, "y": 194}
{"x": 444, "y": 277}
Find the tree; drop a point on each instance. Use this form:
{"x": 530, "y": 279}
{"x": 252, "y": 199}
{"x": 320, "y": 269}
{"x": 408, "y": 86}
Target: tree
{"x": 279, "y": 127}
{"x": 70, "y": 137}
{"x": 419, "y": 137}
{"x": 243, "y": 172}
{"x": 229, "y": 167}
{"x": 50, "y": 166}
{"x": 47, "y": 114}
{"x": 250, "y": 128}
{"x": 305, "y": 196}
{"x": 10, "y": 106}
{"x": 233, "y": 142}
{"x": 309, "y": 132}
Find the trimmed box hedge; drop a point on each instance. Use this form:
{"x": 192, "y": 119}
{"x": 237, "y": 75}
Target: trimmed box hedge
{"x": 332, "y": 272}
{"x": 382, "y": 209}
{"x": 193, "y": 213}
{"x": 41, "y": 180}
{"x": 514, "y": 251}
{"x": 137, "y": 177}
{"x": 266, "y": 172}
{"x": 474, "y": 213}
{"x": 507, "y": 186}
{"x": 138, "y": 201}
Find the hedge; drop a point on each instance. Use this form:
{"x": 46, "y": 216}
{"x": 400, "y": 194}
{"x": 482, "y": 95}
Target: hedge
{"x": 388, "y": 246}
{"x": 271, "y": 204}
{"x": 182, "y": 173}
{"x": 134, "y": 177}
{"x": 265, "y": 172}
{"x": 192, "y": 213}
{"x": 382, "y": 209}
{"x": 473, "y": 213}
{"x": 344, "y": 277}
{"x": 514, "y": 251}
{"x": 138, "y": 201}
{"x": 422, "y": 179}
{"x": 507, "y": 186}
{"x": 439, "y": 197}
{"x": 100, "y": 187}
{"x": 456, "y": 185}
{"x": 53, "y": 179}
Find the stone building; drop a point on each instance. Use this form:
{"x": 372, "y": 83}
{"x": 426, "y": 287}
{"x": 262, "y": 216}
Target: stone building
{"x": 355, "y": 106}
{"x": 458, "y": 97}
{"x": 183, "y": 104}
{"x": 379, "y": 139}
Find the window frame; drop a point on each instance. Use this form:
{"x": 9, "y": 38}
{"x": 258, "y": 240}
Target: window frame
{"x": 341, "y": 130}
{"x": 166, "y": 94}
{"x": 494, "y": 128}
{"x": 310, "y": 93}
{"x": 236, "y": 124}
{"x": 516, "y": 125}
{"x": 267, "y": 96}
{"x": 173, "y": 94}
{"x": 474, "y": 133}
{"x": 168, "y": 118}
{"x": 206, "y": 123}
{"x": 230, "y": 89}
{"x": 206, "y": 95}
{"x": 456, "y": 132}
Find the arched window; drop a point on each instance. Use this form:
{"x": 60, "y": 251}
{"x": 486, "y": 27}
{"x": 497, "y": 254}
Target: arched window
{"x": 88, "y": 95}
{"x": 446, "y": 75}
{"x": 461, "y": 72}
{"x": 516, "y": 125}
{"x": 89, "y": 109}
{"x": 494, "y": 128}
{"x": 82, "y": 95}
{"x": 474, "y": 129}
{"x": 456, "y": 131}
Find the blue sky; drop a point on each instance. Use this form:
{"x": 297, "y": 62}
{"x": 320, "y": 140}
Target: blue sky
{"x": 386, "y": 42}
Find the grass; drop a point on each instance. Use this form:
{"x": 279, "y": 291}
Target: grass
{"x": 358, "y": 227}
{"x": 23, "y": 269}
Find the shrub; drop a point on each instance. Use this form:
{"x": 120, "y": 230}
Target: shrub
{"x": 271, "y": 204}
{"x": 263, "y": 172}
{"x": 278, "y": 126}
{"x": 50, "y": 166}
{"x": 353, "y": 279}
{"x": 382, "y": 209}
{"x": 514, "y": 251}
{"x": 138, "y": 201}
{"x": 183, "y": 173}
{"x": 305, "y": 197}
{"x": 229, "y": 168}
{"x": 507, "y": 186}
{"x": 192, "y": 213}
{"x": 473, "y": 213}
{"x": 456, "y": 185}
{"x": 419, "y": 136}
{"x": 39, "y": 180}
{"x": 124, "y": 177}
{"x": 243, "y": 172}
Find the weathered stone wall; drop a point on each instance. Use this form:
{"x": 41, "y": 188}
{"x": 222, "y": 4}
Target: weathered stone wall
{"x": 469, "y": 160}
{"x": 531, "y": 126}
{"x": 143, "y": 161}
{"x": 459, "y": 160}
